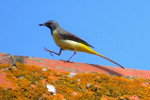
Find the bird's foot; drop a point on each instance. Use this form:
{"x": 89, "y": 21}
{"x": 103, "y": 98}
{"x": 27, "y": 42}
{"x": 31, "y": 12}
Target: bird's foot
{"x": 49, "y": 51}
{"x": 66, "y": 61}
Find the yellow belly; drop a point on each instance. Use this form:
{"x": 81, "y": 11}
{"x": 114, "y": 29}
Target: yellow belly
{"x": 64, "y": 44}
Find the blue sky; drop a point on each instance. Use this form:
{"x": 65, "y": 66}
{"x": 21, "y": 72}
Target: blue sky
{"x": 118, "y": 29}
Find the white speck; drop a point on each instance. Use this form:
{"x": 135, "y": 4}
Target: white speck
{"x": 44, "y": 69}
{"x": 78, "y": 80}
{"x": 51, "y": 89}
{"x": 71, "y": 75}
{"x": 75, "y": 93}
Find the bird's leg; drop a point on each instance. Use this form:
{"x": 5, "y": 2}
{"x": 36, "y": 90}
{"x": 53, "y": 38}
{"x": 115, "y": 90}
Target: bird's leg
{"x": 53, "y": 52}
{"x": 71, "y": 56}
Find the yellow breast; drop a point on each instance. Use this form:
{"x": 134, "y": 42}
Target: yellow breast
{"x": 56, "y": 37}
{"x": 64, "y": 44}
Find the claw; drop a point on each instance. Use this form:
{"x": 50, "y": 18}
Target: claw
{"x": 51, "y": 54}
{"x": 48, "y": 51}
{"x": 67, "y": 61}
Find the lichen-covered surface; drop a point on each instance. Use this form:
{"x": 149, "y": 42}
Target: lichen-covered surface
{"x": 26, "y": 78}
{"x": 28, "y": 82}
{"x": 73, "y": 66}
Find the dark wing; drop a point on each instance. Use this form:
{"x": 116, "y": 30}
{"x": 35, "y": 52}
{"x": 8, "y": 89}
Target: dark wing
{"x": 68, "y": 36}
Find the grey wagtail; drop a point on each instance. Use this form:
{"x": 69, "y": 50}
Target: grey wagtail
{"x": 67, "y": 41}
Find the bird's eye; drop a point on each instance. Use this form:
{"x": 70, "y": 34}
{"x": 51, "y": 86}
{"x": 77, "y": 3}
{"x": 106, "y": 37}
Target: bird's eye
{"x": 49, "y": 23}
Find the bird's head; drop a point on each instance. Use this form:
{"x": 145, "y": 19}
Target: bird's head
{"x": 50, "y": 24}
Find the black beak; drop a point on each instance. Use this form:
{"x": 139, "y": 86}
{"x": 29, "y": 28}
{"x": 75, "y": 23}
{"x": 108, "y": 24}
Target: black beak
{"x": 41, "y": 24}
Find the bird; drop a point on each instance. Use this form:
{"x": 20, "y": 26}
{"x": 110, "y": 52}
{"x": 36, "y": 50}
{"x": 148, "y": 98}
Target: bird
{"x": 68, "y": 41}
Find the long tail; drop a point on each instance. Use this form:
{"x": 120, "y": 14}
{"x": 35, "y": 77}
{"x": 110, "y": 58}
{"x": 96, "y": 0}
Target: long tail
{"x": 109, "y": 60}
{"x": 86, "y": 49}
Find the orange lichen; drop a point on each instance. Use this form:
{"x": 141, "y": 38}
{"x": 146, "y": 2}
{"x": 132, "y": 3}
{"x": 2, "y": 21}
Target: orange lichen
{"x": 30, "y": 82}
